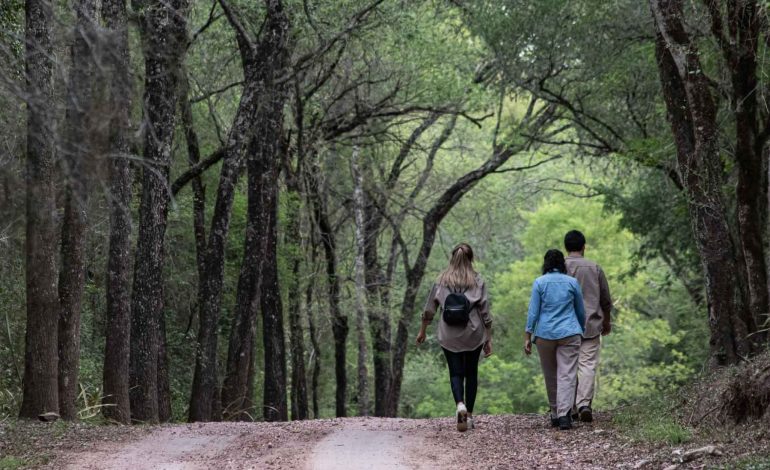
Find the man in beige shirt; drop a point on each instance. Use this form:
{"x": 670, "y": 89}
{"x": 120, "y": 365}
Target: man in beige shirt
{"x": 598, "y": 305}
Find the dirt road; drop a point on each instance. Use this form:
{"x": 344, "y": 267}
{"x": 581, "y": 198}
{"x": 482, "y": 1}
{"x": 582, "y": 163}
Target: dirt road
{"x": 501, "y": 442}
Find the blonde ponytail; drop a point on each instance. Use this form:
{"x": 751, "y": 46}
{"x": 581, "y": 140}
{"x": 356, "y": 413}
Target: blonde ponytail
{"x": 459, "y": 275}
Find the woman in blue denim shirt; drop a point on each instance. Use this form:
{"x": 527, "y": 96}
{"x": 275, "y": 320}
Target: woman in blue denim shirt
{"x": 555, "y": 323}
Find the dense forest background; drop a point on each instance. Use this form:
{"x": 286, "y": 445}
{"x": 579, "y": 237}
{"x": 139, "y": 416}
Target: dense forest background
{"x": 234, "y": 210}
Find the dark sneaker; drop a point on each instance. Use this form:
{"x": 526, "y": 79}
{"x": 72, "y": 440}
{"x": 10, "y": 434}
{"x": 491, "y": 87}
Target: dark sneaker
{"x": 554, "y": 422}
{"x": 586, "y": 415}
{"x": 565, "y": 422}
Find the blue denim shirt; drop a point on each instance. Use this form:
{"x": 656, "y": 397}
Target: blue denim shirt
{"x": 556, "y": 308}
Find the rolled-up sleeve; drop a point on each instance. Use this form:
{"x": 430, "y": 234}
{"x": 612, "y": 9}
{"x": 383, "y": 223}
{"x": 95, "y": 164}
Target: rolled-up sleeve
{"x": 533, "y": 315}
{"x": 431, "y": 305}
{"x": 484, "y": 308}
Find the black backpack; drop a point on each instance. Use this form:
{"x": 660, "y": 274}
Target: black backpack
{"x": 457, "y": 309}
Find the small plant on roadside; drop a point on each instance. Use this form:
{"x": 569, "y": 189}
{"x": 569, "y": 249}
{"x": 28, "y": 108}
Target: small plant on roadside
{"x": 651, "y": 421}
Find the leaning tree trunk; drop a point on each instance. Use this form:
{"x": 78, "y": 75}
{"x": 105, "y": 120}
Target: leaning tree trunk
{"x": 79, "y": 149}
{"x": 117, "y": 347}
{"x": 40, "y": 355}
{"x": 163, "y": 29}
{"x": 692, "y": 114}
{"x": 360, "y": 282}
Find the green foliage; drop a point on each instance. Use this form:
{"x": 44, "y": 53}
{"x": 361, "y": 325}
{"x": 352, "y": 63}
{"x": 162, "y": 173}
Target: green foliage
{"x": 651, "y": 420}
{"x": 644, "y": 355}
{"x": 9, "y": 462}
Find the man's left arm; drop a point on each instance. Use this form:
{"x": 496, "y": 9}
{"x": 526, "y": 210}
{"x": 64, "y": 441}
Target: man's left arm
{"x": 605, "y": 302}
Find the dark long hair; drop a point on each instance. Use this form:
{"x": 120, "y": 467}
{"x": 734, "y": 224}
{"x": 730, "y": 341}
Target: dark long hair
{"x": 554, "y": 260}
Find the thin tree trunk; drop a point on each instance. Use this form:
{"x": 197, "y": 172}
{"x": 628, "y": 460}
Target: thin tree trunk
{"x": 430, "y": 224}
{"x": 41, "y": 358}
{"x": 117, "y": 346}
{"x": 193, "y": 158}
{"x": 275, "y": 404}
{"x": 299, "y": 403}
{"x": 163, "y": 29}
{"x": 79, "y": 151}
{"x": 360, "y": 287}
{"x": 316, "y": 355}
{"x": 339, "y": 320}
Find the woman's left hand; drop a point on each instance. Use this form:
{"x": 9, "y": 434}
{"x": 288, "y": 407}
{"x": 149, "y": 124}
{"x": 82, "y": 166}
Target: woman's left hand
{"x": 488, "y": 348}
{"x": 527, "y": 347}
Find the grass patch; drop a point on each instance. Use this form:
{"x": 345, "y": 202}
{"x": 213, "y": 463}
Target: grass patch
{"x": 651, "y": 421}
{"x": 9, "y": 462}
{"x": 751, "y": 463}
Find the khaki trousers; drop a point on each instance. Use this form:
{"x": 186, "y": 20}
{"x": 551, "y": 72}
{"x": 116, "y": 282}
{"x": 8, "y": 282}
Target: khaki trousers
{"x": 586, "y": 376}
{"x": 559, "y": 360}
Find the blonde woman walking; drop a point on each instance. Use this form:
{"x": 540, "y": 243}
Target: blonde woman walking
{"x": 464, "y": 329}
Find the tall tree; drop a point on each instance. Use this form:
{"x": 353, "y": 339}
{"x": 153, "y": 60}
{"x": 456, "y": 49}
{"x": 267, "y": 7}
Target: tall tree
{"x": 692, "y": 115}
{"x": 533, "y": 123}
{"x": 739, "y": 43}
{"x": 81, "y": 143}
{"x": 293, "y": 241}
{"x": 162, "y": 27}
{"x": 40, "y": 354}
{"x": 117, "y": 347}
{"x": 360, "y": 281}
{"x": 260, "y": 67}
{"x": 339, "y": 320}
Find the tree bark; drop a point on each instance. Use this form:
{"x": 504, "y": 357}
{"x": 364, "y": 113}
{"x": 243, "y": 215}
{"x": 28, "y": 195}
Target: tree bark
{"x": 236, "y": 398}
{"x": 360, "y": 282}
{"x": 692, "y": 115}
{"x": 339, "y": 320}
{"x": 315, "y": 357}
{"x": 79, "y": 152}
{"x": 117, "y": 345}
{"x": 40, "y": 389}
{"x": 255, "y": 59}
{"x": 299, "y": 402}
{"x": 163, "y": 30}
{"x": 740, "y": 52}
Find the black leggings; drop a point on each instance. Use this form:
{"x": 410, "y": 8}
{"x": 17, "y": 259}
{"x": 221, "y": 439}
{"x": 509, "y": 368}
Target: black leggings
{"x": 464, "y": 365}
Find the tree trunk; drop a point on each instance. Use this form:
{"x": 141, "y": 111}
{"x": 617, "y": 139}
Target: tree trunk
{"x": 79, "y": 152}
{"x": 692, "y": 115}
{"x": 360, "y": 287}
{"x": 299, "y": 403}
{"x": 748, "y": 151}
{"x": 316, "y": 355}
{"x": 40, "y": 356}
{"x": 258, "y": 63}
{"x": 163, "y": 29}
{"x": 236, "y": 398}
{"x": 275, "y": 406}
{"x": 339, "y": 320}
{"x": 115, "y": 399}
{"x": 193, "y": 158}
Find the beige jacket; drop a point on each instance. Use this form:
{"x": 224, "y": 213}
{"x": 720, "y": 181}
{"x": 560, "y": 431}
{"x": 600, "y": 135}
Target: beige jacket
{"x": 596, "y": 293}
{"x": 473, "y": 335}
